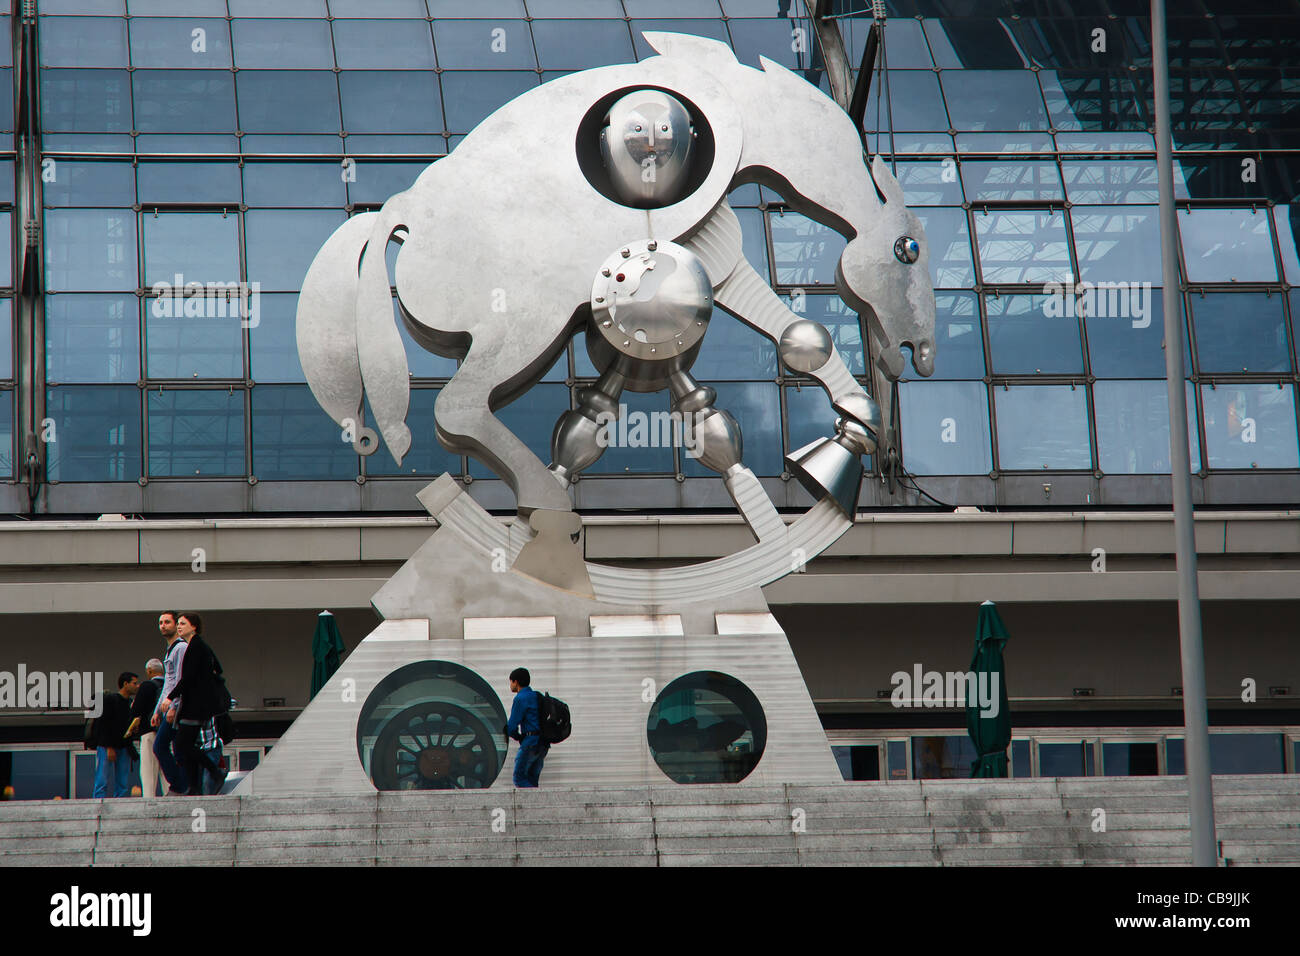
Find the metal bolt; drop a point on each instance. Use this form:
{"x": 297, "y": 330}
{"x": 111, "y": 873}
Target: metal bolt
{"x": 600, "y": 298}
{"x": 626, "y": 253}
{"x": 652, "y": 245}
{"x": 606, "y": 324}
{"x": 604, "y": 272}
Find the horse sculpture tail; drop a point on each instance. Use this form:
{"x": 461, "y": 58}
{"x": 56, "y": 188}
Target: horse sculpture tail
{"x": 348, "y": 340}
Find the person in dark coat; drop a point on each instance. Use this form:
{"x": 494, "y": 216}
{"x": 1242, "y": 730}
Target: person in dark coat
{"x": 199, "y": 692}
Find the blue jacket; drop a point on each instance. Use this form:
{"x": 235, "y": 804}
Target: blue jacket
{"x": 525, "y": 717}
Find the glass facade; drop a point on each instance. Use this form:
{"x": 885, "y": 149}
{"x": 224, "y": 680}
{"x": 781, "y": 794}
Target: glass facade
{"x": 187, "y": 148}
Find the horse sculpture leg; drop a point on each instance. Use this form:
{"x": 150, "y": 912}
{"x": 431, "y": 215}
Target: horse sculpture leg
{"x": 467, "y": 426}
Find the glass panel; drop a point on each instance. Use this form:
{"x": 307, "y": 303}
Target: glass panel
{"x": 858, "y": 763}
{"x": 6, "y": 338}
{"x": 1130, "y": 760}
{"x": 1240, "y": 332}
{"x": 141, "y": 8}
{"x": 532, "y": 419}
{"x": 195, "y": 337}
{"x": 285, "y": 145}
{"x": 1131, "y": 142}
{"x": 672, "y": 8}
{"x": 34, "y": 774}
{"x": 713, "y": 29}
{"x": 959, "y": 340}
{"x": 98, "y": 430}
{"x": 896, "y": 757}
{"x": 1022, "y": 247}
{"x": 1042, "y": 426}
{"x": 474, "y": 44}
{"x": 808, "y": 416}
{"x": 1019, "y": 143}
{"x": 184, "y": 247}
{"x": 1031, "y": 334}
{"x": 375, "y": 102}
{"x": 949, "y": 757}
{"x": 1111, "y": 181}
{"x": 83, "y": 766}
{"x": 1133, "y": 427}
{"x": 582, "y": 44}
{"x": 376, "y": 181}
{"x": 1128, "y": 345}
{"x": 6, "y": 248}
{"x": 196, "y": 432}
{"x": 907, "y": 46}
{"x": 470, "y": 97}
{"x": 82, "y": 41}
{"x": 756, "y": 406}
{"x": 287, "y": 101}
{"x": 278, "y": 8}
{"x": 641, "y": 441}
{"x": 82, "y": 6}
{"x": 732, "y": 350}
{"x": 92, "y": 338}
{"x": 754, "y": 237}
{"x": 184, "y": 101}
{"x": 293, "y": 438}
{"x": 1227, "y": 245}
{"x": 96, "y": 101}
{"x": 1021, "y": 766}
{"x": 1250, "y": 426}
{"x": 189, "y": 183}
{"x": 1000, "y": 180}
{"x": 1234, "y": 753}
{"x": 168, "y": 43}
{"x": 1118, "y": 243}
{"x": 90, "y": 249}
{"x": 282, "y": 243}
{"x": 294, "y": 184}
{"x": 383, "y": 45}
{"x": 6, "y": 434}
{"x": 575, "y": 8}
{"x": 948, "y": 233}
{"x": 994, "y": 100}
{"x": 248, "y": 760}
{"x": 1287, "y": 220}
{"x": 427, "y": 456}
{"x": 69, "y": 183}
{"x": 788, "y": 42}
{"x": 915, "y": 101}
{"x": 804, "y": 252}
{"x": 480, "y": 9}
{"x": 273, "y": 341}
{"x": 843, "y": 325}
{"x": 945, "y": 428}
{"x": 397, "y": 9}
{"x": 1082, "y": 100}
{"x": 1061, "y": 760}
{"x": 930, "y": 183}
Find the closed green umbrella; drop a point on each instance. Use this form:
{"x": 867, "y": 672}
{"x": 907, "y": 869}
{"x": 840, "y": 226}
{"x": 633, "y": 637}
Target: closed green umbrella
{"x": 988, "y": 718}
{"x": 326, "y": 651}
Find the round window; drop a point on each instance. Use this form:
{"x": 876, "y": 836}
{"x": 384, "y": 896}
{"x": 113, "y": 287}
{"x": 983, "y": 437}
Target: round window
{"x": 707, "y": 727}
{"x": 430, "y": 726}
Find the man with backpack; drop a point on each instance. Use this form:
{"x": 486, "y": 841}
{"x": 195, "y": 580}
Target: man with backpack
{"x": 112, "y": 750}
{"x": 525, "y": 726}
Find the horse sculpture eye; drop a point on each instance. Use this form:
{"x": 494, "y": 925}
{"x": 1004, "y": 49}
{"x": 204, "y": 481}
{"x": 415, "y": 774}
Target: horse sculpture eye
{"x": 907, "y": 249}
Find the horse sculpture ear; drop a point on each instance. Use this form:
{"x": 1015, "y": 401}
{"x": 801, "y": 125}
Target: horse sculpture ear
{"x": 886, "y": 182}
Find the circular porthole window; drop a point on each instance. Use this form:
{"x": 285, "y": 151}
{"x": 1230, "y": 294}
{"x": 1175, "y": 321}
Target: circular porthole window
{"x": 432, "y": 725}
{"x": 706, "y": 727}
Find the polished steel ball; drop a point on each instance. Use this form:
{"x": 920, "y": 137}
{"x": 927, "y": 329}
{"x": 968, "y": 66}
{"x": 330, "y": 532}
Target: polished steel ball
{"x": 647, "y": 145}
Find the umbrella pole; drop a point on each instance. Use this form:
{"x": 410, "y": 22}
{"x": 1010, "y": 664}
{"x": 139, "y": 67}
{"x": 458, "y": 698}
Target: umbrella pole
{"x": 1195, "y": 717}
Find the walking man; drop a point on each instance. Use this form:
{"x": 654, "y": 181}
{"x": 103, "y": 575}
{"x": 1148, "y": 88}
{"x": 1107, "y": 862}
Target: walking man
{"x": 112, "y": 751}
{"x": 164, "y": 719}
{"x": 525, "y": 726}
{"x": 142, "y": 711}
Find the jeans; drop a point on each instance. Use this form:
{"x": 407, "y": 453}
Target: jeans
{"x": 167, "y": 762}
{"x": 211, "y": 782}
{"x": 528, "y": 762}
{"x": 119, "y": 769}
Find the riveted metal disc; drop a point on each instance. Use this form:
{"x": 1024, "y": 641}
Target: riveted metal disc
{"x": 651, "y": 300}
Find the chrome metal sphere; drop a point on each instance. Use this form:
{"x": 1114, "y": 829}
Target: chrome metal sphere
{"x": 647, "y": 144}
{"x": 806, "y": 346}
{"x": 650, "y": 307}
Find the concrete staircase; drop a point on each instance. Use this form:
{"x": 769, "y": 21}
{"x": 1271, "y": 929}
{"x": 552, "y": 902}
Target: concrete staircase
{"x": 915, "y": 823}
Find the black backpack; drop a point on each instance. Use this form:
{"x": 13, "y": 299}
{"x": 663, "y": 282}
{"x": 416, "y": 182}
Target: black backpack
{"x": 553, "y": 715}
